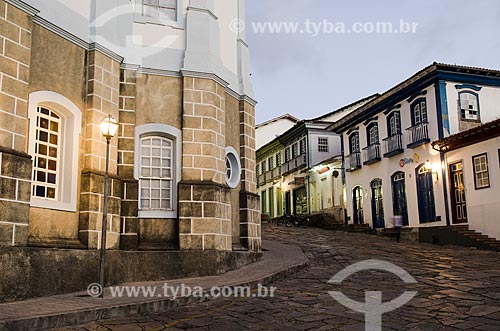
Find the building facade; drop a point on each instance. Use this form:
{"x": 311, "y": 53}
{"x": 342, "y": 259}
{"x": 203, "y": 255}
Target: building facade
{"x": 182, "y": 165}
{"x": 299, "y": 172}
{"x": 391, "y": 167}
{"x": 472, "y": 160}
{"x": 269, "y": 130}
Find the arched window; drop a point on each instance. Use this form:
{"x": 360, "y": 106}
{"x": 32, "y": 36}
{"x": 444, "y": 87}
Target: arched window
{"x": 55, "y": 125}
{"x": 469, "y": 106}
{"x": 419, "y": 112}
{"x": 394, "y": 124}
{"x": 372, "y": 134}
{"x": 158, "y": 169}
{"x": 354, "y": 143}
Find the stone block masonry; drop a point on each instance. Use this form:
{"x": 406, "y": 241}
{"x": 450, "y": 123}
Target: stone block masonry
{"x": 15, "y": 193}
{"x": 15, "y": 52}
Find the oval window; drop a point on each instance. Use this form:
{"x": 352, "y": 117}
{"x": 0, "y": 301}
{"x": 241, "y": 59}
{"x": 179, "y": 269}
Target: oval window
{"x": 233, "y": 168}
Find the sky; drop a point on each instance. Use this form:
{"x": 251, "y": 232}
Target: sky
{"x": 313, "y": 71}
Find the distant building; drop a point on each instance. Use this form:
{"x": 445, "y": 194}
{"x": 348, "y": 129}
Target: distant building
{"x": 299, "y": 172}
{"x": 391, "y": 166}
{"x": 269, "y": 130}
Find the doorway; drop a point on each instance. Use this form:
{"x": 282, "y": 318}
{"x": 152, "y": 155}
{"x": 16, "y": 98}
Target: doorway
{"x": 377, "y": 204}
{"x": 399, "y": 204}
{"x": 458, "y": 201}
{"x": 357, "y": 205}
{"x": 425, "y": 192}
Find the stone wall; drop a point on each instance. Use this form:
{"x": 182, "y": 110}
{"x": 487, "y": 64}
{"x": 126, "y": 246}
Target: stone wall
{"x": 31, "y": 272}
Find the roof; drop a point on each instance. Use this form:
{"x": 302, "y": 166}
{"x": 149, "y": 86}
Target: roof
{"x": 344, "y": 108}
{"x": 473, "y": 136}
{"x": 403, "y": 90}
{"x": 282, "y": 117}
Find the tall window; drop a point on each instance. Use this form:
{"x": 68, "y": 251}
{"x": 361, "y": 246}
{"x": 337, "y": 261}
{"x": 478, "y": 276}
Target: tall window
{"x": 419, "y": 112}
{"x": 294, "y": 150}
{"x": 302, "y": 144}
{"x": 481, "y": 173}
{"x": 270, "y": 162}
{"x": 47, "y": 154}
{"x": 354, "y": 143}
{"x": 323, "y": 145}
{"x": 156, "y": 173}
{"x": 263, "y": 167}
{"x": 160, "y": 9}
{"x": 287, "y": 154}
{"x": 394, "y": 124}
{"x": 469, "y": 106}
{"x": 278, "y": 159}
{"x": 54, "y": 143}
{"x": 372, "y": 133}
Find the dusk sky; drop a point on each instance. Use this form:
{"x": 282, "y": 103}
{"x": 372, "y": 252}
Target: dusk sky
{"x": 307, "y": 75}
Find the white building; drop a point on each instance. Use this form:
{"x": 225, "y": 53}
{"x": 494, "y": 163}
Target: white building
{"x": 299, "y": 172}
{"x": 390, "y": 164}
{"x": 472, "y": 159}
{"x": 269, "y": 130}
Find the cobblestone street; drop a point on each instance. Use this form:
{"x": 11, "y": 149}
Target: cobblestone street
{"x": 458, "y": 289}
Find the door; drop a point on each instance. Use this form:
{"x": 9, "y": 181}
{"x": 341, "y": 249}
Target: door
{"x": 300, "y": 201}
{"x": 425, "y": 192}
{"x": 357, "y": 205}
{"x": 399, "y": 204}
{"x": 288, "y": 203}
{"x": 377, "y": 204}
{"x": 458, "y": 201}
{"x": 279, "y": 198}
{"x": 263, "y": 202}
{"x": 271, "y": 202}
{"x": 324, "y": 194}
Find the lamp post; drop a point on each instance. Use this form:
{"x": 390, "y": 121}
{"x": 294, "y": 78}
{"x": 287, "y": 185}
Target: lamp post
{"x": 109, "y": 126}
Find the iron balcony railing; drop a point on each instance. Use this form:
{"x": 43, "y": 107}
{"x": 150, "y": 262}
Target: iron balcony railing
{"x": 371, "y": 153}
{"x": 296, "y": 163}
{"x": 418, "y": 135}
{"x": 393, "y": 145}
{"x": 353, "y": 161}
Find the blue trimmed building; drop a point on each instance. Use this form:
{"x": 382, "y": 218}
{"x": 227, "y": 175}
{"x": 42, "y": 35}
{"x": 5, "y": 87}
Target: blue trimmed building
{"x": 391, "y": 166}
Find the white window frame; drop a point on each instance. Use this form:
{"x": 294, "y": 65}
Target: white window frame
{"x": 483, "y": 169}
{"x": 465, "y": 114}
{"x": 323, "y": 145}
{"x": 69, "y": 147}
{"x": 177, "y": 24}
{"x": 175, "y": 135}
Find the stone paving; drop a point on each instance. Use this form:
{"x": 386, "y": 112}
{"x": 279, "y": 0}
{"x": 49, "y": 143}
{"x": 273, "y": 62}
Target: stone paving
{"x": 458, "y": 289}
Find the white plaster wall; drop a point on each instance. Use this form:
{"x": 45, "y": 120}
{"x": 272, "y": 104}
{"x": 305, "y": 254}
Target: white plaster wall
{"x": 489, "y": 106}
{"x": 483, "y": 205}
{"x": 334, "y": 148}
{"x": 267, "y": 133}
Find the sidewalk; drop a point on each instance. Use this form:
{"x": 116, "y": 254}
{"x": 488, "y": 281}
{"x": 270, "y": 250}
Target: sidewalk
{"x": 278, "y": 261}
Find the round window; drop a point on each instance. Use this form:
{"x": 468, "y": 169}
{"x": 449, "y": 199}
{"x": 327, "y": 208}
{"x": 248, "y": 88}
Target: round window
{"x": 233, "y": 168}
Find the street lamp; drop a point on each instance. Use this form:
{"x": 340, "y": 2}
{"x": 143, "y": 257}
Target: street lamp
{"x": 109, "y": 126}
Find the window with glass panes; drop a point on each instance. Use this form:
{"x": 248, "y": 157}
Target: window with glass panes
{"x": 323, "y": 144}
{"x": 160, "y": 9}
{"x": 47, "y": 154}
{"x": 419, "y": 112}
{"x": 469, "y": 106}
{"x": 372, "y": 134}
{"x": 278, "y": 159}
{"x": 394, "y": 124}
{"x": 156, "y": 173}
{"x": 270, "y": 163}
{"x": 481, "y": 173}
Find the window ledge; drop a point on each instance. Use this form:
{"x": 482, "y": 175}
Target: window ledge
{"x": 149, "y": 20}
{"x": 157, "y": 214}
{"x": 51, "y": 204}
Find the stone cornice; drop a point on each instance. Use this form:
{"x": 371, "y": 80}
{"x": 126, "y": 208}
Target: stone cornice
{"x": 23, "y": 6}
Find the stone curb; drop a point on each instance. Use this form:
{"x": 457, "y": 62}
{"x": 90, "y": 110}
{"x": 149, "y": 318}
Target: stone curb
{"x": 87, "y": 315}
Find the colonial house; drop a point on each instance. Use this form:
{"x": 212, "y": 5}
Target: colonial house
{"x": 391, "y": 166}
{"x": 299, "y": 172}
{"x": 472, "y": 160}
{"x": 177, "y": 79}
